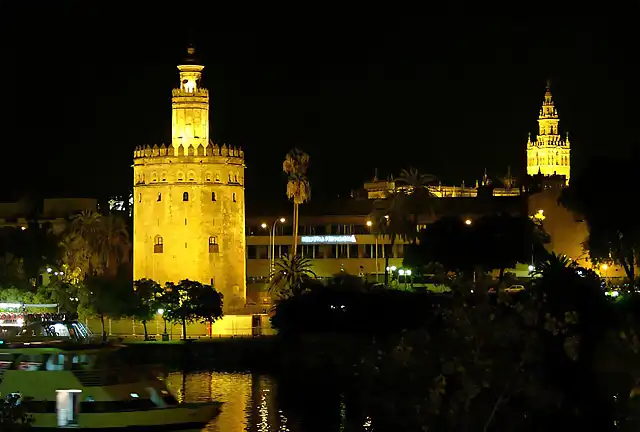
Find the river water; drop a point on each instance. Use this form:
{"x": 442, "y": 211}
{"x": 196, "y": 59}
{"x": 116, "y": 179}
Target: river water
{"x": 259, "y": 403}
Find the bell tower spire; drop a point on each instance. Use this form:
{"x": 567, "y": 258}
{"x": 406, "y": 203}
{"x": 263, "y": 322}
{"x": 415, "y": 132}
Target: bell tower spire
{"x": 549, "y": 154}
{"x": 190, "y": 107}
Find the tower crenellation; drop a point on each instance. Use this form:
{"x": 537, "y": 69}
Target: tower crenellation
{"x": 189, "y": 210}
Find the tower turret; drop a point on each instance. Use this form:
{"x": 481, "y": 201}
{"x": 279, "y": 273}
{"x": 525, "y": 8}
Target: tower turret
{"x": 190, "y": 106}
{"x": 548, "y": 154}
{"x": 189, "y": 212}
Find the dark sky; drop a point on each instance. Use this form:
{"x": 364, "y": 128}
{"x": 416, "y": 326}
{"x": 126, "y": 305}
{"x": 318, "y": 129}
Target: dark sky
{"x": 450, "y": 87}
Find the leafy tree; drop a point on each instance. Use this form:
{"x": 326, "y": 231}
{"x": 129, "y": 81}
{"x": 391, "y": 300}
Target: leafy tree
{"x": 295, "y": 166}
{"x": 94, "y": 244}
{"x": 181, "y": 303}
{"x": 105, "y": 296}
{"x": 419, "y": 200}
{"x": 146, "y": 293}
{"x": 392, "y": 220}
{"x": 614, "y": 236}
{"x": 208, "y": 304}
{"x": 290, "y": 276}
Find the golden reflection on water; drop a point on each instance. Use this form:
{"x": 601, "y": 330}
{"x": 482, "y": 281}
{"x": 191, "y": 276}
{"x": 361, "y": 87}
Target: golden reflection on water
{"x": 248, "y": 400}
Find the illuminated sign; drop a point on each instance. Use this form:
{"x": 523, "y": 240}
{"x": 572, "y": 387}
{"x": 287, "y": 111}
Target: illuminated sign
{"x": 330, "y": 239}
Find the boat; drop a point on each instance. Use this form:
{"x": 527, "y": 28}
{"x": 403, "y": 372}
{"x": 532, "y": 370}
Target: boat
{"x": 63, "y": 384}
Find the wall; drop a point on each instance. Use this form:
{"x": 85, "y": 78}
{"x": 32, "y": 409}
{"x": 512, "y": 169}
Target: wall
{"x": 187, "y": 226}
{"x": 227, "y": 326}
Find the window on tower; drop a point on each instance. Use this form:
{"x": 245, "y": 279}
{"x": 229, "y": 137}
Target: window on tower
{"x": 158, "y": 246}
{"x": 159, "y": 196}
{"x": 185, "y": 196}
{"x": 213, "y": 245}
{"x": 234, "y": 197}
{"x": 213, "y": 196}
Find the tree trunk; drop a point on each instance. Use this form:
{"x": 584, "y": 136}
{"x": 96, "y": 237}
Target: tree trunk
{"x": 295, "y": 230}
{"x": 184, "y": 329}
{"x": 144, "y": 326}
{"x": 501, "y": 276}
{"x": 104, "y": 333}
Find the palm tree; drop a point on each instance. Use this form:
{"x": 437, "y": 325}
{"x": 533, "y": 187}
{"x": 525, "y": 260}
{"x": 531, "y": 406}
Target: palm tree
{"x": 391, "y": 220}
{"x": 420, "y": 199}
{"x": 290, "y": 274}
{"x": 295, "y": 165}
{"x": 95, "y": 244}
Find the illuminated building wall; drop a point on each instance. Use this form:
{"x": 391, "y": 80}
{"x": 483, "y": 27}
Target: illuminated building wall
{"x": 188, "y": 200}
{"x": 549, "y": 154}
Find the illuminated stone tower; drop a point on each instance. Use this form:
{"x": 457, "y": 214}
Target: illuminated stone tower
{"x": 189, "y": 213}
{"x": 549, "y": 154}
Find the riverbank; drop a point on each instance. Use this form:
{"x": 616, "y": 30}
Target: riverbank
{"x": 264, "y": 354}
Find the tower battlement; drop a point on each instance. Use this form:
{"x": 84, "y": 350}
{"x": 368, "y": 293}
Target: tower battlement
{"x": 211, "y": 150}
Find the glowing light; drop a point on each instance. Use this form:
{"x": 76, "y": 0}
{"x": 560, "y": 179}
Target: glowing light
{"x": 407, "y": 272}
{"x": 540, "y": 212}
{"x": 531, "y": 268}
{"x": 393, "y": 268}
{"x": 369, "y": 223}
{"x": 160, "y": 311}
{"x": 49, "y": 270}
{"x": 605, "y": 267}
{"x": 23, "y": 228}
{"x": 330, "y": 239}
{"x": 263, "y": 225}
{"x": 282, "y": 220}
{"x": 467, "y": 222}
{"x": 401, "y": 272}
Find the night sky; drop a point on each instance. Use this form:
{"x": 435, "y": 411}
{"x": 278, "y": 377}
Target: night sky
{"x": 450, "y": 88}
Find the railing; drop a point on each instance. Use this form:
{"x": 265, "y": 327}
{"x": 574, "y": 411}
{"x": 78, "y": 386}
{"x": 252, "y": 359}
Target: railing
{"x": 106, "y": 377}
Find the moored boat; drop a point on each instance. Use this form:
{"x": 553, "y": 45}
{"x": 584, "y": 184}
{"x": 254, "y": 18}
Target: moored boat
{"x": 63, "y": 384}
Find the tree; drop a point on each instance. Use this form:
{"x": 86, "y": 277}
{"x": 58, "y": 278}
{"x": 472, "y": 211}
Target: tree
{"x": 614, "y": 236}
{"x": 295, "y": 166}
{"x": 391, "y": 220}
{"x": 105, "y": 296}
{"x": 208, "y": 303}
{"x": 290, "y": 275}
{"x": 419, "y": 199}
{"x": 95, "y": 244}
{"x": 181, "y": 303}
{"x": 145, "y": 306}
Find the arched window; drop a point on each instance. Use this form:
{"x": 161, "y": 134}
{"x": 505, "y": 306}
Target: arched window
{"x": 234, "y": 197}
{"x": 158, "y": 245}
{"x": 185, "y": 196}
{"x": 218, "y": 177}
{"x": 164, "y": 177}
{"x": 213, "y": 245}
{"x": 192, "y": 176}
{"x": 229, "y": 178}
{"x": 154, "y": 177}
{"x": 180, "y": 176}
{"x": 213, "y": 196}
{"x": 207, "y": 176}
{"x": 235, "y": 178}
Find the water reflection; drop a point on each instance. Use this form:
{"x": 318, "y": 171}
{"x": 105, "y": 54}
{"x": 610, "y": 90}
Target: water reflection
{"x": 259, "y": 403}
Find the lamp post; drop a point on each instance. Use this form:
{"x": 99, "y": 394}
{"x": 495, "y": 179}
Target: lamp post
{"x": 272, "y": 242}
{"x": 370, "y": 224}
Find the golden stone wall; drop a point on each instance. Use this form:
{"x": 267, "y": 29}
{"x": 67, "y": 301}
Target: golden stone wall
{"x": 202, "y": 238}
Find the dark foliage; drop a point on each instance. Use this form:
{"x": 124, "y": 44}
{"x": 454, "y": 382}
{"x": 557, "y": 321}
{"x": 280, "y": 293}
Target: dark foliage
{"x": 348, "y": 306}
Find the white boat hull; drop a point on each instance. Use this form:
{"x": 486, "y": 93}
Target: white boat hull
{"x": 181, "y": 417}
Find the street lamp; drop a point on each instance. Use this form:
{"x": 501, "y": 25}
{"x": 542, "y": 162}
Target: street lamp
{"x": 272, "y": 242}
{"x": 161, "y": 313}
{"x": 370, "y": 224}
{"x": 467, "y": 222}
